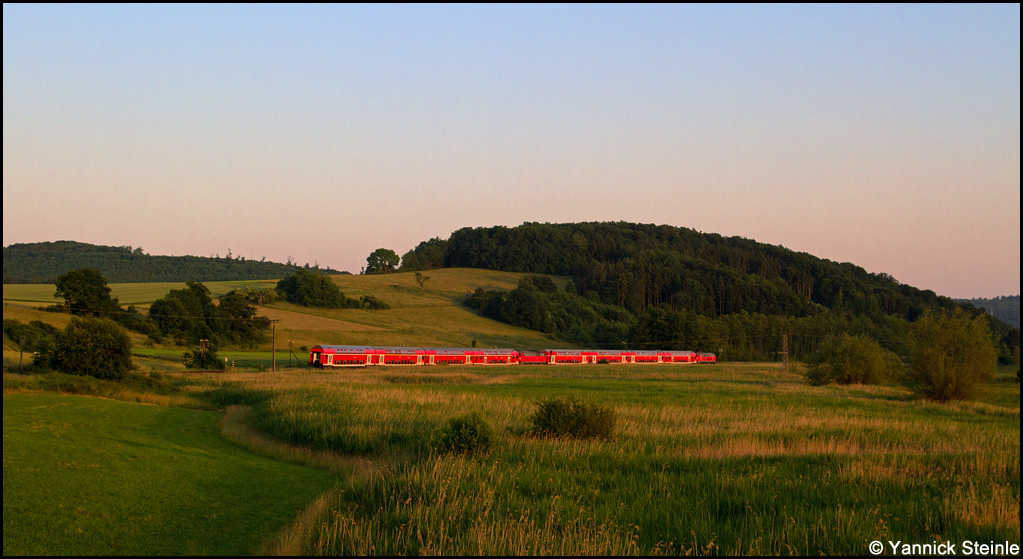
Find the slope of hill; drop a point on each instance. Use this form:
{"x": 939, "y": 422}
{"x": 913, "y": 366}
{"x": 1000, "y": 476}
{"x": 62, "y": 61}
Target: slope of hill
{"x": 432, "y": 315}
{"x": 43, "y": 262}
{"x": 1005, "y": 308}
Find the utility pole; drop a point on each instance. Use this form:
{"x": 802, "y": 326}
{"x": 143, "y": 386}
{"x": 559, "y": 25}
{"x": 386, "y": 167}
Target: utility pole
{"x": 273, "y": 346}
{"x": 21, "y": 359}
{"x": 785, "y": 350}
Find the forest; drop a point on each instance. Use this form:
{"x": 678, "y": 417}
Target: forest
{"x": 44, "y": 262}
{"x": 664, "y": 286}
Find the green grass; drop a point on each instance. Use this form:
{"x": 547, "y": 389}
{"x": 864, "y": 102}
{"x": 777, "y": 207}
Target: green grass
{"x": 91, "y": 476}
{"x": 429, "y": 316}
{"x": 1003, "y": 390}
{"x": 706, "y": 459}
{"x": 241, "y": 359}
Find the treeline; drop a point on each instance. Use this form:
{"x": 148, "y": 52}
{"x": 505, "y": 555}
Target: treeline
{"x": 44, "y": 262}
{"x": 537, "y": 304}
{"x": 647, "y": 285}
{"x": 1005, "y": 308}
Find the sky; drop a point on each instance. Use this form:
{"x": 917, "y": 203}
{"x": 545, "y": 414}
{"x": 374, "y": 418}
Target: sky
{"x": 886, "y": 136}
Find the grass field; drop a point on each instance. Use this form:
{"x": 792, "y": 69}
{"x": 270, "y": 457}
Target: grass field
{"x": 429, "y": 316}
{"x": 707, "y": 459}
{"x": 93, "y": 476}
{"x": 419, "y": 316}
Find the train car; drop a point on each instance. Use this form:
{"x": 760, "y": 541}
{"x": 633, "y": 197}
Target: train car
{"x": 681, "y": 357}
{"x": 532, "y": 359}
{"x": 646, "y": 356}
{"x": 363, "y": 356}
{"x": 564, "y": 356}
{"x": 339, "y": 356}
{"x": 594, "y": 356}
{"x": 400, "y": 355}
{"x": 706, "y": 358}
{"x": 500, "y": 357}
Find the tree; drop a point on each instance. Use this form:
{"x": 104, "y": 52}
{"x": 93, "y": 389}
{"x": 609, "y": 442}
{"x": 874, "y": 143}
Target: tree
{"x": 410, "y": 262}
{"x": 852, "y": 360}
{"x": 382, "y": 261}
{"x": 950, "y": 355}
{"x": 421, "y": 279}
{"x": 313, "y": 290}
{"x": 86, "y": 293}
{"x": 96, "y": 347}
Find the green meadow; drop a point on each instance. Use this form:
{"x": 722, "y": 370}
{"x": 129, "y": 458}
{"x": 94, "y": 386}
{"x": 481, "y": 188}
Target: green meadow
{"x": 86, "y": 476}
{"x": 721, "y": 459}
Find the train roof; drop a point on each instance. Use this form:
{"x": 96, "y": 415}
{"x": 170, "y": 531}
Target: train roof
{"x": 342, "y": 347}
{"x": 412, "y": 349}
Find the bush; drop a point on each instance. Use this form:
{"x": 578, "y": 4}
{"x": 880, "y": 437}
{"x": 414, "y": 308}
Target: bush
{"x": 371, "y": 302}
{"x": 950, "y": 356}
{"x": 38, "y": 335}
{"x": 96, "y": 347}
{"x": 852, "y": 360}
{"x": 203, "y": 359}
{"x": 470, "y": 433}
{"x": 569, "y": 417}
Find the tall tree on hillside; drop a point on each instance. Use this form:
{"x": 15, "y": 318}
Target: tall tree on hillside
{"x": 86, "y": 293}
{"x": 382, "y": 261}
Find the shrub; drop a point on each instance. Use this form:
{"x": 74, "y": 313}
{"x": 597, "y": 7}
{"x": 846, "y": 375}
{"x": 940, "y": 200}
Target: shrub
{"x": 570, "y": 417}
{"x": 371, "y": 302}
{"x": 96, "y": 347}
{"x": 203, "y": 359}
{"x": 950, "y": 356}
{"x": 852, "y": 360}
{"x": 38, "y": 335}
{"x": 470, "y": 433}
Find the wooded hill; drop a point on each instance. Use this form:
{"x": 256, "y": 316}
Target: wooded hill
{"x": 634, "y": 266}
{"x": 43, "y": 262}
{"x": 649, "y": 285}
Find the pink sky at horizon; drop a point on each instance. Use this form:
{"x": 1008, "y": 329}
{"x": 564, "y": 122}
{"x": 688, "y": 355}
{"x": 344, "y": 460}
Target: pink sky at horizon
{"x": 885, "y": 137}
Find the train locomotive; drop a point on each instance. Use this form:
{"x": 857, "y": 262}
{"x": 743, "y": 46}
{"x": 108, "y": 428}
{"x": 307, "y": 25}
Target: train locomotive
{"x": 365, "y": 356}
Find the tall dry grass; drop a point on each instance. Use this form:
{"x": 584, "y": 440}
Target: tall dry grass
{"x": 728, "y": 459}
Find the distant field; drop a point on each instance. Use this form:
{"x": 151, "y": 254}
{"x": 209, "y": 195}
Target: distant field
{"x": 86, "y": 476}
{"x": 429, "y": 316}
{"x": 127, "y": 293}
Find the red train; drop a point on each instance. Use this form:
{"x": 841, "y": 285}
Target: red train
{"x": 363, "y": 356}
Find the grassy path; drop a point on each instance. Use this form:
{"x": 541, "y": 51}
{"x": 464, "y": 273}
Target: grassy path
{"x": 92, "y": 476}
